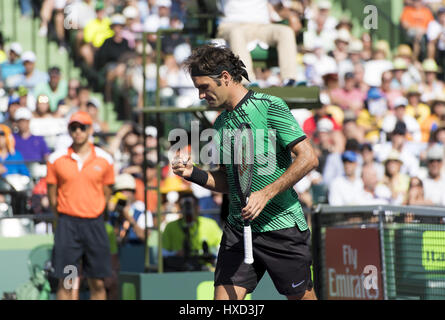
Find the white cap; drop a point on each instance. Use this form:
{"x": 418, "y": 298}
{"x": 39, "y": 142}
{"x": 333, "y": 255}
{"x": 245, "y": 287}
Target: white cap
{"x": 164, "y": 3}
{"x": 22, "y": 113}
{"x": 343, "y": 35}
{"x": 125, "y": 181}
{"x": 152, "y": 23}
{"x": 325, "y": 99}
{"x": 181, "y": 52}
{"x": 400, "y": 101}
{"x": 435, "y": 152}
{"x": 29, "y": 56}
{"x": 16, "y": 47}
{"x": 324, "y": 4}
{"x": 118, "y": 19}
{"x": 355, "y": 46}
{"x": 309, "y": 59}
{"x": 130, "y": 12}
{"x": 325, "y": 125}
{"x": 172, "y": 197}
{"x": 151, "y": 131}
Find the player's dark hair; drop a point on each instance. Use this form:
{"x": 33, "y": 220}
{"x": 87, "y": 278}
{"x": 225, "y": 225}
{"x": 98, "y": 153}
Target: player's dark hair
{"x": 210, "y": 60}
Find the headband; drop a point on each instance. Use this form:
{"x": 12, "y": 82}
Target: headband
{"x": 196, "y": 72}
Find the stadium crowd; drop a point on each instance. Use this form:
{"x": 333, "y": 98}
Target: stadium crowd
{"x": 379, "y": 134}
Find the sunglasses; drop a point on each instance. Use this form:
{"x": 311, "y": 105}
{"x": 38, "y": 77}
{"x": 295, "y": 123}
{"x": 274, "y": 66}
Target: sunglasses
{"x": 74, "y": 127}
{"x": 2, "y": 134}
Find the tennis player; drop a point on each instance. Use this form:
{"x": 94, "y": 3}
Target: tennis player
{"x": 281, "y": 238}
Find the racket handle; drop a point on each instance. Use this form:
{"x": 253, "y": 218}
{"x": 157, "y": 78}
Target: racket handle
{"x": 248, "y": 250}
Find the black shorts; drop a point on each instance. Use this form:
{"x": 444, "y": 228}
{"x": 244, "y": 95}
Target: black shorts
{"x": 285, "y": 254}
{"x": 85, "y": 240}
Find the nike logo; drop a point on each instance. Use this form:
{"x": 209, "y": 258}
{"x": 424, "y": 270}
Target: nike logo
{"x": 298, "y": 284}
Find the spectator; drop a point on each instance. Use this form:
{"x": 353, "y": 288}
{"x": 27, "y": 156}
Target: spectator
{"x": 334, "y": 166}
{"x": 72, "y": 98}
{"x": 400, "y": 115}
{"x": 55, "y": 89}
{"x": 136, "y": 160}
{"x": 431, "y": 87}
{"x": 367, "y": 51}
{"x": 340, "y": 52}
{"x": 414, "y": 20}
{"x": 373, "y": 191}
{"x": 354, "y": 51}
{"x": 412, "y": 75}
{"x": 351, "y": 130}
{"x": 192, "y": 235}
{"x": 318, "y": 63}
{"x": 110, "y": 57}
{"x": 11, "y": 160}
{"x": 54, "y": 10}
{"x": 45, "y": 123}
{"x": 416, "y": 194}
{"x": 98, "y": 125}
{"x": 26, "y": 99}
{"x": 434, "y": 183}
{"x": 152, "y": 182}
{"x": 159, "y": 18}
{"x": 31, "y": 76}
{"x": 346, "y": 189}
{"x": 132, "y": 25}
{"x": 291, "y": 12}
{"x": 396, "y": 181}
{"x": 13, "y": 105}
{"x": 127, "y": 214}
{"x": 349, "y": 97}
{"x": 398, "y": 141}
{"x": 436, "y": 42}
{"x": 310, "y": 124}
{"x": 389, "y": 93}
{"x": 359, "y": 78}
{"x": 321, "y": 26}
{"x": 120, "y": 146}
{"x": 377, "y": 65}
{"x": 95, "y": 33}
{"x": 418, "y": 110}
{"x": 325, "y": 144}
{"x": 437, "y": 115}
{"x": 369, "y": 159}
{"x": 399, "y": 81}
{"x": 370, "y": 117}
{"x": 245, "y": 21}
{"x": 14, "y": 65}
{"x": 438, "y": 135}
{"x": 32, "y": 148}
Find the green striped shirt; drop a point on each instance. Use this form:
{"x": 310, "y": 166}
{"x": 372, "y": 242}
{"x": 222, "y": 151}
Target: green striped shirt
{"x": 275, "y": 132}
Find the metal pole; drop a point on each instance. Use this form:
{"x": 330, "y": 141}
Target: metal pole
{"x": 144, "y": 163}
{"x": 381, "y": 214}
{"x": 316, "y": 251}
{"x": 158, "y": 149}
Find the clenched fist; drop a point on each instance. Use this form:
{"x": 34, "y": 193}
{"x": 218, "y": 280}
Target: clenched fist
{"x": 181, "y": 167}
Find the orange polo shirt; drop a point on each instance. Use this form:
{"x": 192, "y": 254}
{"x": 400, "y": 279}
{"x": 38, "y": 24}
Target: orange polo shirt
{"x": 417, "y": 18}
{"x": 80, "y": 185}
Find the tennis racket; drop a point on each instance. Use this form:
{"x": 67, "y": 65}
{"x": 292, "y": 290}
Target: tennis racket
{"x": 243, "y": 170}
